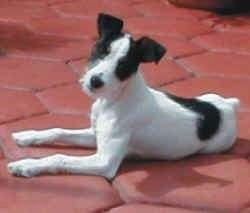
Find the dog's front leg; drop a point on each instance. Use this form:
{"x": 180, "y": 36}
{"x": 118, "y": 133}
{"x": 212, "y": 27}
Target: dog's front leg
{"x": 79, "y": 137}
{"x": 58, "y": 163}
{"x": 105, "y": 162}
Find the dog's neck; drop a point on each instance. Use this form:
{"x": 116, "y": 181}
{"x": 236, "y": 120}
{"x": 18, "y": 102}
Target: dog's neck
{"x": 135, "y": 88}
{"x": 133, "y": 91}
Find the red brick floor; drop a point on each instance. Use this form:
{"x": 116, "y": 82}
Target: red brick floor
{"x": 43, "y": 48}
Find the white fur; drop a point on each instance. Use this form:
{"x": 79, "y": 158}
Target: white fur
{"x": 128, "y": 119}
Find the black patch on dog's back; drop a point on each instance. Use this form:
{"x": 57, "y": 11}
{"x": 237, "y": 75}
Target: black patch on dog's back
{"x": 209, "y": 116}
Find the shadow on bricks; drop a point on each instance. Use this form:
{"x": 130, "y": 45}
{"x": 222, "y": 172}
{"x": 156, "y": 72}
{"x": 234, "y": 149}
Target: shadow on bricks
{"x": 19, "y": 37}
{"x": 46, "y": 186}
{"x": 241, "y": 148}
{"x": 182, "y": 174}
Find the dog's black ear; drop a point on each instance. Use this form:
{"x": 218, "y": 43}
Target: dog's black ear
{"x": 149, "y": 50}
{"x": 108, "y": 24}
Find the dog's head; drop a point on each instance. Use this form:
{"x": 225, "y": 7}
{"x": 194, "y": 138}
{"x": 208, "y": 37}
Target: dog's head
{"x": 115, "y": 57}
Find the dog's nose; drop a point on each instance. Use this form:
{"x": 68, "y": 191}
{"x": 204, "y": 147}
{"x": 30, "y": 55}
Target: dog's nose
{"x": 96, "y": 82}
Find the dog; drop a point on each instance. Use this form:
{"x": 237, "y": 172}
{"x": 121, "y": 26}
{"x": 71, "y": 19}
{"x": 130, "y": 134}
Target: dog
{"x": 129, "y": 118}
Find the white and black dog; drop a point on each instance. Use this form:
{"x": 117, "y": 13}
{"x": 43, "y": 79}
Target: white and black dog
{"x": 128, "y": 117}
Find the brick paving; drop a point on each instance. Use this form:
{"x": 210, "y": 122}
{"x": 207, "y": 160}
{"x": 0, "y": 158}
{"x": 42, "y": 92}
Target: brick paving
{"x": 43, "y": 48}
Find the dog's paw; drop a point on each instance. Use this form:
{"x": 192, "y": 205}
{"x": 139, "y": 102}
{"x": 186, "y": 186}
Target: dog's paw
{"x": 25, "y": 138}
{"x": 23, "y": 168}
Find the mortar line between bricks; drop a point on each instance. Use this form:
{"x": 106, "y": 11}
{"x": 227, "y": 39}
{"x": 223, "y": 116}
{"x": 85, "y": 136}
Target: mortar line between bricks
{"x": 55, "y": 86}
{"x": 211, "y": 15}
{"x": 41, "y": 102}
{"x": 191, "y": 54}
{"x": 6, "y": 153}
{"x": 107, "y": 209}
{"x": 200, "y": 74}
{"x": 224, "y": 76}
{"x": 74, "y": 59}
{"x": 16, "y": 22}
{"x": 214, "y": 50}
{"x": 201, "y": 34}
{"x": 41, "y": 58}
{"x": 160, "y": 204}
{"x": 72, "y": 68}
{"x": 176, "y": 81}
{"x": 37, "y": 95}
{"x": 69, "y": 113}
{"x": 63, "y": 15}
{"x": 24, "y": 118}
{"x": 186, "y": 68}
{"x": 47, "y": 59}
{"x": 125, "y": 204}
{"x": 58, "y": 3}
{"x": 29, "y": 27}
{"x": 36, "y": 58}
{"x": 178, "y": 206}
{"x": 1, "y": 148}
{"x": 218, "y": 30}
{"x": 16, "y": 88}
{"x": 74, "y": 37}
{"x": 228, "y": 51}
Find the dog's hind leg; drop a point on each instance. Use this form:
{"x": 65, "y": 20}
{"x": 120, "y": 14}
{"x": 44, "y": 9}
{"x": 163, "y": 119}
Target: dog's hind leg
{"x": 78, "y": 137}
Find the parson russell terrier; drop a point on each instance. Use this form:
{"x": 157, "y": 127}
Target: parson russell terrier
{"x": 128, "y": 117}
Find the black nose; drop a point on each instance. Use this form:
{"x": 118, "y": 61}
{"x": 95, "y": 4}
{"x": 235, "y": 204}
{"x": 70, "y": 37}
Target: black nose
{"x": 96, "y": 82}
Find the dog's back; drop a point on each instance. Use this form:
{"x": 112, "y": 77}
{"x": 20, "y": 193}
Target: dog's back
{"x": 175, "y": 130}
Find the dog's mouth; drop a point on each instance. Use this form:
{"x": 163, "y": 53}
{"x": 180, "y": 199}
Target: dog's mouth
{"x": 88, "y": 90}
{"x": 91, "y": 89}
{"x": 86, "y": 87}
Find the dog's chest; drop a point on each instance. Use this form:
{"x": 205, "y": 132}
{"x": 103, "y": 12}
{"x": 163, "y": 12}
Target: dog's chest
{"x": 106, "y": 121}
{"x": 104, "y": 124}
{"x": 112, "y": 118}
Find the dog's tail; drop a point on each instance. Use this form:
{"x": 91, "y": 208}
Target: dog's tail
{"x": 235, "y": 102}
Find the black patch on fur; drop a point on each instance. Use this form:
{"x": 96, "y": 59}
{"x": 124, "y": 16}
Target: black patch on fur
{"x": 142, "y": 50}
{"x": 108, "y": 25}
{"x": 101, "y": 47}
{"x": 109, "y": 29}
{"x": 128, "y": 65}
{"x": 209, "y": 116}
{"x": 149, "y": 50}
